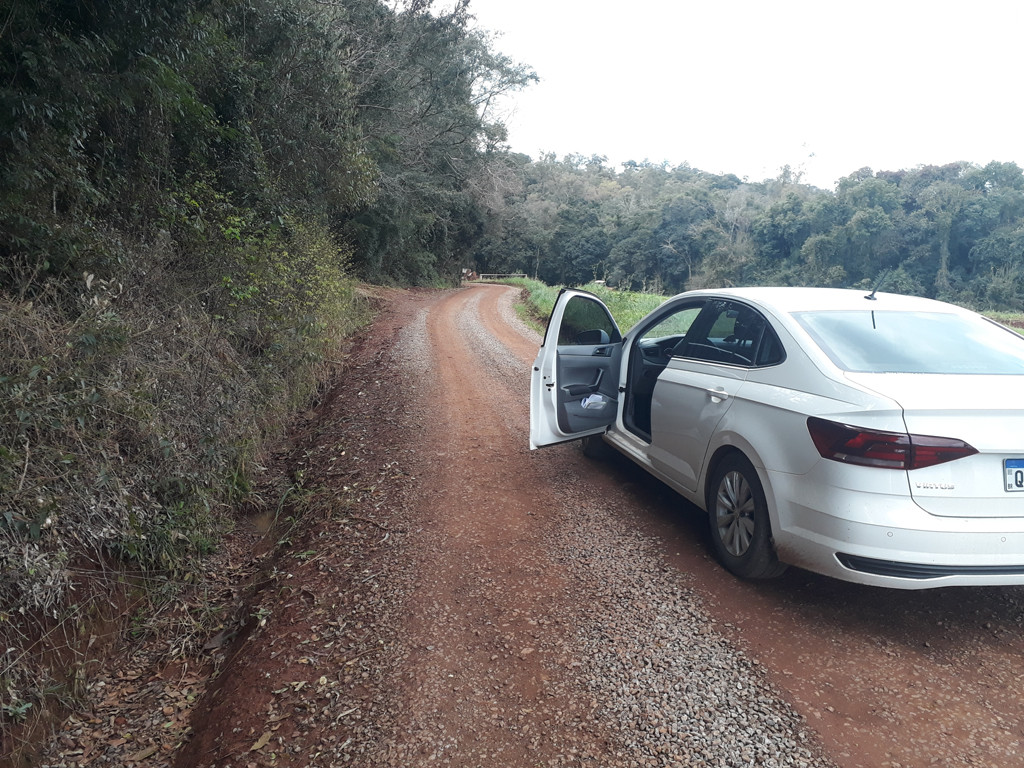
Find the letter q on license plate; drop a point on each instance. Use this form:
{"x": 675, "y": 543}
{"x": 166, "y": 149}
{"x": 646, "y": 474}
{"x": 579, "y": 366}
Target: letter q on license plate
{"x": 1014, "y": 470}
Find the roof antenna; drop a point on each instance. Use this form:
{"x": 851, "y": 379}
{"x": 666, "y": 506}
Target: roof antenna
{"x": 871, "y": 296}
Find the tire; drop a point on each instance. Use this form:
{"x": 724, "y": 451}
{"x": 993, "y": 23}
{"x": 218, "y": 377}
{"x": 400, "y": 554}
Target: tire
{"x": 594, "y": 447}
{"x": 740, "y": 528}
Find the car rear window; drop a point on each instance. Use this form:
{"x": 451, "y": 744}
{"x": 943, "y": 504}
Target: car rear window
{"x": 914, "y": 342}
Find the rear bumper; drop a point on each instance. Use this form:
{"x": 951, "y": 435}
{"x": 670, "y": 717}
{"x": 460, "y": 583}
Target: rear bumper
{"x": 921, "y": 572}
{"x": 885, "y": 539}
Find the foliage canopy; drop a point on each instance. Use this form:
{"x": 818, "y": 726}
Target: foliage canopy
{"x": 953, "y": 232}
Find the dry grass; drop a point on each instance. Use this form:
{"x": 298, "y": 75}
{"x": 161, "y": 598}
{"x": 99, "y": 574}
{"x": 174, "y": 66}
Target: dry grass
{"x": 134, "y": 414}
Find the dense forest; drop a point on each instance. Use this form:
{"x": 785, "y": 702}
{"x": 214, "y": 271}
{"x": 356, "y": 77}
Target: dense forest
{"x": 954, "y": 232}
{"x": 202, "y": 125}
{"x": 191, "y": 192}
{"x": 217, "y": 120}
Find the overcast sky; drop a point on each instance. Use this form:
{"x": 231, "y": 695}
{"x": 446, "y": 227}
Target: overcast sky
{"x": 745, "y": 87}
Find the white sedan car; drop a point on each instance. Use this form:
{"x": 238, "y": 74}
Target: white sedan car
{"x": 874, "y": 438}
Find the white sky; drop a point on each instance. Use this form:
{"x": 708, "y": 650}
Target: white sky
{"x": 745, "y": 87}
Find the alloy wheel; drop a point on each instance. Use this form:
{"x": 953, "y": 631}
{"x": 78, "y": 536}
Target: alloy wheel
{"x": 734, "y": 513}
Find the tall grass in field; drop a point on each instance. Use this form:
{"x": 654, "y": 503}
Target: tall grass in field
{"x": 627, "y": 307}
{"x": 1013, "y": 320}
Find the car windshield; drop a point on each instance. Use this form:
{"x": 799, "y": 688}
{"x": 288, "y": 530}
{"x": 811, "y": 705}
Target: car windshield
{"x": 914, "y": 342}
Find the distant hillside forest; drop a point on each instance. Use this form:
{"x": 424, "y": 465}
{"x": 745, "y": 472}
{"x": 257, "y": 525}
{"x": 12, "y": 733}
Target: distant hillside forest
{"x": 953, "y": 232}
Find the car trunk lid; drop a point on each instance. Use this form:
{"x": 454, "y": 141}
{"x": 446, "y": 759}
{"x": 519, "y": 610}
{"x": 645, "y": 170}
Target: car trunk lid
{"x": 986, "y": 412}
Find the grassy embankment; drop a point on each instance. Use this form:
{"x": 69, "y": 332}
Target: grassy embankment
{"x": 136, "y": 416}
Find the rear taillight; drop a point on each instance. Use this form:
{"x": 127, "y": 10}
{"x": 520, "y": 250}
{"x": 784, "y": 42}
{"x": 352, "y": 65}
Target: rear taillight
{"x": 888, "y": 450}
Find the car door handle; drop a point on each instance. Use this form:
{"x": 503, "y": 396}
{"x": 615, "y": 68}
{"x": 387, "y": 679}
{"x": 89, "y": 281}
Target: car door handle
{"x": 575, "y": 390}
{"x": 717, "y": 394}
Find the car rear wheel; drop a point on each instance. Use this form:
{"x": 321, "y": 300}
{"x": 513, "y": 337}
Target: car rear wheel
{"x": 740, "y": 528}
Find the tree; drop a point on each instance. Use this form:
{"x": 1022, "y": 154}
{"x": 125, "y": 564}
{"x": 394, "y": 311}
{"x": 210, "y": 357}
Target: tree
{"x": 425, "y": 85}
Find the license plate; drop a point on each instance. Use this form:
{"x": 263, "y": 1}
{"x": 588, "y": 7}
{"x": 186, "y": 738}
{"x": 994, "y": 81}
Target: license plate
{"x": 1014, "y": 471}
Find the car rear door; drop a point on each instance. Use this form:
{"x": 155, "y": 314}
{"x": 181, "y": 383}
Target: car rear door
{"x": 574, "y": 387}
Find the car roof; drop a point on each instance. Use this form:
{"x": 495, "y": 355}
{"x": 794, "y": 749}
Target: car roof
{"x": 785, "y": 300}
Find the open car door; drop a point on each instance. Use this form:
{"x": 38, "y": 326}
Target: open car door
{"x": 574, "y": 388}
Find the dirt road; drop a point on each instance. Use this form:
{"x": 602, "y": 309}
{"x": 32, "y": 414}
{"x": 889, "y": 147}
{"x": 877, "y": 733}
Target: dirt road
{"x": 454, "y": 599}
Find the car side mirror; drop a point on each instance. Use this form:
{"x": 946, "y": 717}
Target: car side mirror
{"x": 594, "y": 336}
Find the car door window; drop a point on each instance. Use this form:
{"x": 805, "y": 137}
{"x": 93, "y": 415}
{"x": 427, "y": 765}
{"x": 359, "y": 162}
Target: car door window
{"x": 669, "y": 331}
{"x": 586, "y": 322}
{"x": 733, "y": 333}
